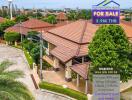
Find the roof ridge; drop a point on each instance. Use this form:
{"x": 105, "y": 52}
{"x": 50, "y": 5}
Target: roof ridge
{"x": 81, "y": 39}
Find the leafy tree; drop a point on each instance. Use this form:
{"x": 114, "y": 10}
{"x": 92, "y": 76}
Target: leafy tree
{"x": 85, "y": 14}
{"x": 111, "y": 48}
{"x": 50, "y": 19}
{"x": 11, "y": 36}
{"x": 6, "y": 24}
{"x": 21, "y": 18}
{"x": 37, "y": 15}
{"x": 73, "y": 15}
{"x": 10, "y": 88}
{"x": 29, "y": 45}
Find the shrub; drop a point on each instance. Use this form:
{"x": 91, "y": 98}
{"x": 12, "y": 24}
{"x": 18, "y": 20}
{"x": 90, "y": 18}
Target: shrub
{"x": 12, "y": 36}
{"x": 127, "y": 19}
{"x": 35, "y": 53}
{"x": 66, "y": 91}
{"x": 46, "y": 65}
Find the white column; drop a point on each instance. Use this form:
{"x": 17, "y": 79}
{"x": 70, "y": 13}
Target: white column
{"x": 86, "y": 86}
{"x": 56, "y": 64}
{"x": 78, "y": 78}
{"x": 68, "y": 76}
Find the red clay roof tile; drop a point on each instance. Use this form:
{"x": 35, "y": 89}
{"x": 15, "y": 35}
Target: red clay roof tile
{"x": 35, "y": 23}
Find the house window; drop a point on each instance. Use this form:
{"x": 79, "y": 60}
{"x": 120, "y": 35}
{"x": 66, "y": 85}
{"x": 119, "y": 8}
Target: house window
{"x": 45, "y": 44}
{"x": 77, "y": 60}
{"x": 86, "y": 58}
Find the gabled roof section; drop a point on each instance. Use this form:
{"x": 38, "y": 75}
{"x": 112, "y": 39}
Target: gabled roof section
{"x": 80, "y": 32}
{"x": 35, "y": 23}
{"x": 16, "y": 28}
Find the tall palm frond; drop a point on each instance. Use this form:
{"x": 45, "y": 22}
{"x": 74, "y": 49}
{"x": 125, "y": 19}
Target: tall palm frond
{"x": 11, "y": 89}
{"x": 14, "y": 90}
{"x": 9, "y": 74}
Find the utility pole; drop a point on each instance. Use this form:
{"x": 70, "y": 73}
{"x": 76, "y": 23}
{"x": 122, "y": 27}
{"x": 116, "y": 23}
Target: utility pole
{"x": 41, "y": 56}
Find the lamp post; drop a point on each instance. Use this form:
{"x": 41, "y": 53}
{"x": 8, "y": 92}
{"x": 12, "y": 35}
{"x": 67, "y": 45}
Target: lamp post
{"x": 41, "y": 52}
{"x": 10, "y": 8}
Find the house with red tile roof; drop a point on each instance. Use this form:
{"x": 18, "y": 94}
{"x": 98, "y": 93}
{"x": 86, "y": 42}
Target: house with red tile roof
{"x": 30, "y": 25}
{"x": 61, "y": 16}
{"x": 67, "y": 47}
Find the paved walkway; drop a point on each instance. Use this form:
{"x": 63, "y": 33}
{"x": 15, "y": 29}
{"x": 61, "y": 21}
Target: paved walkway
{"x": 17, "y": 56}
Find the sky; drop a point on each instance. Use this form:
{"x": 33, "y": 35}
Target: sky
{"x": 87, "y": 4}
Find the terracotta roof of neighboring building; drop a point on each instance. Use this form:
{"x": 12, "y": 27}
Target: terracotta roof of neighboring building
{"x": 61, "y": 16}
{"x": 2, "y": 19}
{"x": 35, "y": 23}
{"x": 127, "y": 26}
{"x": 31, "y": 25}
{"x": 81, "y": 69}
{"x": 16, "y": 28}
{"x": 71, "y": 40}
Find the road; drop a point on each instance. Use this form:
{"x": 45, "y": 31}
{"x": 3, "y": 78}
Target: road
{"x": 20, "y": 63}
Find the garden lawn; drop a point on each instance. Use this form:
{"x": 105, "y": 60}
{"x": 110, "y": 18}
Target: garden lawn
{"x": 66, "y": 91}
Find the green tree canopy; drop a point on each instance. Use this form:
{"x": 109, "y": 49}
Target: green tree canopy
{"x": 21, "y": 18}
{"x": 10, "y": 88}
{"x": 50, "y": 19}
{"x": 6, "y": 24}
{"x": 73, "y": 15}
{"x": 85, "y": 14}
{"x": 11, "y": 36}
{"x": 111, "y": 48}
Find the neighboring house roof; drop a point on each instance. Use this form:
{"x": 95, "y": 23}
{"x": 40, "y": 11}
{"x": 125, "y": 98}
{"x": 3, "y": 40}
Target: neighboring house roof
{"x": 61, "y": 16}
{"x": 16, "y": 28}
{"x": 127, "y": 26}
{"x": 35, "y": 23}
{"x": 30, "y": 25}
{"x": 71, "y": 40}
{"x": 2, "y": 19}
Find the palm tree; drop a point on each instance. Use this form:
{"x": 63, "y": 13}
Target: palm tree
{"x": 10, "y": 88}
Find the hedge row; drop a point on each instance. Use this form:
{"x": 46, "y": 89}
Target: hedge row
{"x": 29, "y": 58}
{"x": 66, "y": 91}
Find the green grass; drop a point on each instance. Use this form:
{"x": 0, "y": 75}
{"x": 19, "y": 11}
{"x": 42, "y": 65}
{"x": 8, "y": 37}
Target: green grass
{"x": 66, "y": 91}
{"x": 29, "y": 58}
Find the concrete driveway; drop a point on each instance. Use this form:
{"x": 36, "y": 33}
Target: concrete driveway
{"x": 17, "y": 56}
